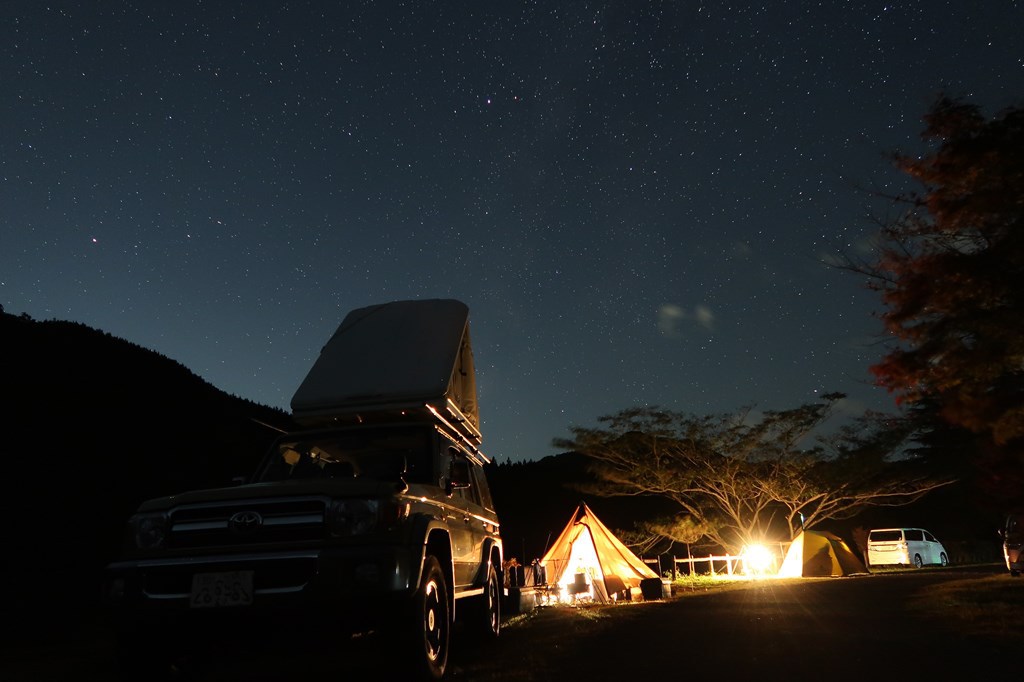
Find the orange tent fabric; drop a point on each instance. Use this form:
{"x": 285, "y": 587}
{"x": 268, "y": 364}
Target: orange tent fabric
{"x": 587, "y": 556}
{"x": 818, "y": 553}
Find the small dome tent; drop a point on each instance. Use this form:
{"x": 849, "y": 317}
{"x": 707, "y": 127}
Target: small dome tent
{"x": 587, "y": 558}
{"x": 817, "y": 554}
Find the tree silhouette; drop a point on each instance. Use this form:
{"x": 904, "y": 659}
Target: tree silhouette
{"x": 951, "y": 274}
{"x": 743, "y": 478}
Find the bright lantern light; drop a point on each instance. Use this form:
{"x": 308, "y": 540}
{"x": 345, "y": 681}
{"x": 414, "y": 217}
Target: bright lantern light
{"x": 757, "y": 559}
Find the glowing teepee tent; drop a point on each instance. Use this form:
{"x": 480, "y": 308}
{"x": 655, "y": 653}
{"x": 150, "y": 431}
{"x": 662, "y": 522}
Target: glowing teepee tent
{"x": 587, "y": 560}
{"x": 817, "y": 553}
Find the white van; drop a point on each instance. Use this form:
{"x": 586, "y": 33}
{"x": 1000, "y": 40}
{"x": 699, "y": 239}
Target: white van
{"x": 905, "y": 546}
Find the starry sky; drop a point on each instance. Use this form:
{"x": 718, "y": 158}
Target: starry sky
{"x": 638, "y": 200}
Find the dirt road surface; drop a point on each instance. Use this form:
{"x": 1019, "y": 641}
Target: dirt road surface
{"x": 821, "y": 630}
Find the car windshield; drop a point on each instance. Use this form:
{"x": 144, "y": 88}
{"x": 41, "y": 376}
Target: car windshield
{"x": 377, "y": 454}
{"x": 885, "y": 536}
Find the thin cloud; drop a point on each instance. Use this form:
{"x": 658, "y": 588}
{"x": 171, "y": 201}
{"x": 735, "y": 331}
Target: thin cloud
{"x": 674, "y": 321}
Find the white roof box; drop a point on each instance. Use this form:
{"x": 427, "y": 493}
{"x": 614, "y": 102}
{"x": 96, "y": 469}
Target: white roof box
{"x": 395, "y": 358}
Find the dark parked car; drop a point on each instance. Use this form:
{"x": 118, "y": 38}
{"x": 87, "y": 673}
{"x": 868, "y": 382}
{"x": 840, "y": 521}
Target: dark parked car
{"x": 376, "y": 516}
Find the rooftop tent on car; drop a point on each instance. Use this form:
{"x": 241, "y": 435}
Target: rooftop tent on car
{"x": 393, "y": 358}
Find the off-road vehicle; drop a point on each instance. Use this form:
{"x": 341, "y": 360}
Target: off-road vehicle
{"x": 376, "y": 515}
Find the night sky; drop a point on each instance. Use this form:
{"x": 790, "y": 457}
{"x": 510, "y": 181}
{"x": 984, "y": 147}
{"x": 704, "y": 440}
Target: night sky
{"x": 637, "y": 200}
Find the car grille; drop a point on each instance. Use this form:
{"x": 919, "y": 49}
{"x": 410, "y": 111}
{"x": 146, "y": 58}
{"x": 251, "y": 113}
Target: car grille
{"x": 247, "y": 522}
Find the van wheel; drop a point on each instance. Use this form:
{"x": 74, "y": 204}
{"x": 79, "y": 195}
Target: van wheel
{"x": 918, "y": 563}
{"x": 943, "y": 559}
{"x": 430, "y": 627}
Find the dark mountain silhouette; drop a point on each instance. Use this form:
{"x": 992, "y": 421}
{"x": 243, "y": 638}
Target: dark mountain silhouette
{"x": 92, "y": 426}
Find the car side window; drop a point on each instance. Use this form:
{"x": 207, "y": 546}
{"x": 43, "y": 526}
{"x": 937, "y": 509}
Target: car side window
{"x": 467, "y": 494}
{"x": 480, "y": 485}
{"x": 928, "y": 536}
{"x": 913, "y": 535}
{"x": 473, "y": 494}
{"x": 460, "y": 468}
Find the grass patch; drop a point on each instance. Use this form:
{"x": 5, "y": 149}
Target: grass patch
{"x": 519, "y": 619}
{"x": 990, "y": 605}
{"x": 703, "y": 582}
{"x": 592, "y": 612}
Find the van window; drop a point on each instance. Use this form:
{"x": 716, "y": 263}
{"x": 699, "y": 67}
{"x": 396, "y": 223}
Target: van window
{"x": 914, "y": 535}
{"x": 885, "y": 536}
{"x": 929, "y": 537}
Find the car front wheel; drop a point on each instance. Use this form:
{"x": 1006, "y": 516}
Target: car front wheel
{"x": 943, "y": 559}
{"x": 431, "y": 623}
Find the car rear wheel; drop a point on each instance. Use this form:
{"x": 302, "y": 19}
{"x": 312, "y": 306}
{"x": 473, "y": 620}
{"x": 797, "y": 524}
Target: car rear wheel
{"x": 487, "y": 611}
{"x": 918, "y": 562}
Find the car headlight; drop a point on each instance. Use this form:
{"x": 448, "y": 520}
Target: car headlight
{"x": 346, "y": 518}
{"x": 149, "y": 531}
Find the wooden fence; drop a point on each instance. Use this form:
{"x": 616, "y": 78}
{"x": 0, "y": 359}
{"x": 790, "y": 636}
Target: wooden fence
{"x": 713, "y": 564}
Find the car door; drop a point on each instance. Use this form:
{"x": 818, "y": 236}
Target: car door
{"x": 485, "y": 527}
{"x": 915, "y": 544}
{"x": 932, "y": 546}
{"x": 460, "y": 518}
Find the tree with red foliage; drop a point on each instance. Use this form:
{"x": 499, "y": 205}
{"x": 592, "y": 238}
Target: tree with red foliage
{"x": 951, "y": 274}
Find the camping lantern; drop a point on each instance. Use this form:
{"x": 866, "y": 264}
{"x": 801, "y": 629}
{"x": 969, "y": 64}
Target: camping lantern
{"x": 758, "y": 560}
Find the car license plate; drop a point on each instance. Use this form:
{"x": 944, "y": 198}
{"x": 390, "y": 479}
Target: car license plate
{"x": 221, "y": 589}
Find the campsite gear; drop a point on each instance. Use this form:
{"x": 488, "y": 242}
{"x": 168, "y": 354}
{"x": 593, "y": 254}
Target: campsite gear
{"x": 655, "y": 588}
{"x": 587, "y": 551}
{"x": 818, "y": 553}
{"x": 538, "y": 573}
